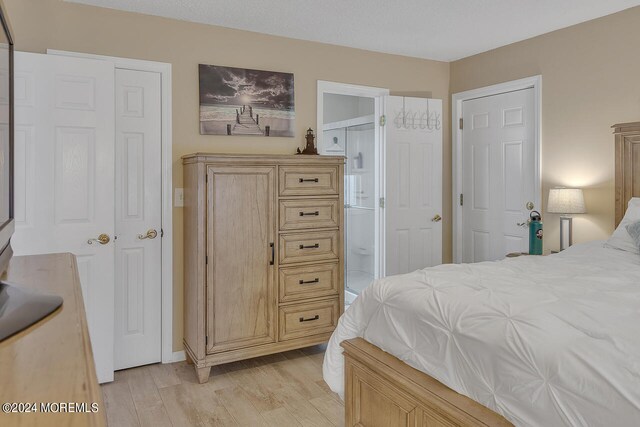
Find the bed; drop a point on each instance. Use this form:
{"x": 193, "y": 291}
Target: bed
{"x": 531, "y": 341}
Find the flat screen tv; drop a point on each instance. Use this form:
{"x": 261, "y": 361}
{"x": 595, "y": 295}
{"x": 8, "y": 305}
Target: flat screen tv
{"x": 19, "y": 307}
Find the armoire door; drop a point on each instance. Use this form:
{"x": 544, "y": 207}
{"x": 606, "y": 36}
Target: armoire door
{"x": 241, "y": 295}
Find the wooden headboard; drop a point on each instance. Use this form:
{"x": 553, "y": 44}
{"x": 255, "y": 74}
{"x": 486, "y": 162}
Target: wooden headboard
{"x": 627, "y": 165}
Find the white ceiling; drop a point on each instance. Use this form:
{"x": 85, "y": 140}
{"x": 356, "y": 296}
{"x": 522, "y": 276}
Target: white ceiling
{"x": 436, "y": 29}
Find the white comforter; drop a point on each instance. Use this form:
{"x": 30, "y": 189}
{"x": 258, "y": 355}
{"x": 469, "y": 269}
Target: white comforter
{"x": 544, "y": 341}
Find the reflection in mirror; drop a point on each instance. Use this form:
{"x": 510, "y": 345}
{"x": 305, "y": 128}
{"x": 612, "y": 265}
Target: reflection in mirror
{"x": 349, "y": 131}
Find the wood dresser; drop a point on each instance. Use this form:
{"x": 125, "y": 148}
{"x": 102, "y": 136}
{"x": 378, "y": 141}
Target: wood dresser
{"x": 50, "y": 362}
{"x": 263, "y": 255}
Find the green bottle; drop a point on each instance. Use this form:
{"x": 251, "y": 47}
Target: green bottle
{"x": 535, "y": 233}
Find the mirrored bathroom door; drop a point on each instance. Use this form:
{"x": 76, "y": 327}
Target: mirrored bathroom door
{"x": 360, "y": 206}
{"x": 351, "y": 128}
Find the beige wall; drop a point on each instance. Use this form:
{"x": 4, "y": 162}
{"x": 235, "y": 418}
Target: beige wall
{"x": 590, "y": 80}
{"x": 42, "y": 24}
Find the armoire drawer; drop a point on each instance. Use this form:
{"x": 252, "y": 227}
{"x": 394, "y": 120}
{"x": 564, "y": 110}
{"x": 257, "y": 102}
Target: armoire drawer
{"x": 304, "y": 247}
{"x": 301, "y": 320}
{"x": 309, "y": 281}
{"x": 308, "y": 180}
{"x": 305, "y": 214}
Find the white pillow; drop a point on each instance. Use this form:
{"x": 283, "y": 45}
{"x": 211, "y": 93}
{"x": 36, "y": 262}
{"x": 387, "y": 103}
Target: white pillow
{"x": 621, "y": 239}
{"x": 634, "y": 231}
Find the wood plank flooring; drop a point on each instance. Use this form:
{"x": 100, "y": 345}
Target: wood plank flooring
{"x": 280, "y": 390}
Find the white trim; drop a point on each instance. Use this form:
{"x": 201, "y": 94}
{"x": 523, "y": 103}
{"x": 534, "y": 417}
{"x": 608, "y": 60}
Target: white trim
{"x": 164, "y": 69}
{"x": 381, "y": 213}
{"x": 341, "y": 89}
{"x": 534, "y": 82}
{"x": 378, "y": 95}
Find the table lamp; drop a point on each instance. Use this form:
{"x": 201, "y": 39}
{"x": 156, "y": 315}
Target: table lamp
{"x": 565, "y": 201}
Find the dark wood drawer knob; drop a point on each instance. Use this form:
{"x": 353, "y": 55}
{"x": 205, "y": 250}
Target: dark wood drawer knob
{"x": 316, "y": 246}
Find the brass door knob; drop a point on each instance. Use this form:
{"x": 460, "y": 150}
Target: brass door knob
{"x": 151, "y": 234}
{"x": 103, "y": 239}
{"x": 436, "y": 218}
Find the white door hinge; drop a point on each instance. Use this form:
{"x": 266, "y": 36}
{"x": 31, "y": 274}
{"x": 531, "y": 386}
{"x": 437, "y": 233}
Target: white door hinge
{"x": 381, "y": 202}
{"x": 383, "y": 120}
{"x": 461, "y": 199}
{"x": 461, "y": 126}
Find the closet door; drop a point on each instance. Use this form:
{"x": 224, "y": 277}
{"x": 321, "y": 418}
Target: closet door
{"x": 498, "y": 174}
{"x": 241, "y": 298}
{"x": 64, "y": 178}
{"x": 138, "y": 216}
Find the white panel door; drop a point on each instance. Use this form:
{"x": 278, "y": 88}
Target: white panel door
{"x": 138, "y": 204}
{"x": 64, "y": 177}
{"x": 498, "y": 172}
{"x": 413, "y": 173}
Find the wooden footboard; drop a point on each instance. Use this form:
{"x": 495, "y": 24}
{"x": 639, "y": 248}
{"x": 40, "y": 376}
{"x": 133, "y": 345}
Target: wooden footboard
{"x": 383, "y": 391}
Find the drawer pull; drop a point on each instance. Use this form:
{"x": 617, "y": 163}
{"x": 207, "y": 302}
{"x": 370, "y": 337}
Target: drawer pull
{"x": 308, "y": 282}
{"x": 316, "y": 213}
{"x": 273, "y": 254}
{"x": 311, "y": 319}
{"x": 301, "y": 180}
{"x": 316, "y": 246}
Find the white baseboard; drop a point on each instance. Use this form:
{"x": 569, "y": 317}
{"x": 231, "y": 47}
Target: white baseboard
{"x": 179, "y": 356}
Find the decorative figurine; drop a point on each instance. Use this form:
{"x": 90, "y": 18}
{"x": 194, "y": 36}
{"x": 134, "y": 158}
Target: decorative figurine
{"x": 310, "y": 148}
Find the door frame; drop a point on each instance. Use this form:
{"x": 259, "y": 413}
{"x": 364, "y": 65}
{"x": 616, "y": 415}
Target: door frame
{"x": 378, "y": 95}
{"x": 457, "y": 99}
{"x": 164, "y": 69}
{"x": 336, "y": 88}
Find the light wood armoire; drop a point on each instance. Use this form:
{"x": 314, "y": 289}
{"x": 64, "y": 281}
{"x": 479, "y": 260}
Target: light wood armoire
{"x": 263, "y": 254}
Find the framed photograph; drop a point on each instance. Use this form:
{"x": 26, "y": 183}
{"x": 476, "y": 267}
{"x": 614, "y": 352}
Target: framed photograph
{"x": 241, "y": 101}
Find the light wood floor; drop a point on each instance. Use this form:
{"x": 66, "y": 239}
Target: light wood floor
{"x": 280, "y": 390}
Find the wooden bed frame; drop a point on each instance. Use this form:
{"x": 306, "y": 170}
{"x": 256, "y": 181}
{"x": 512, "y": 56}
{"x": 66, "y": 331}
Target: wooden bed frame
{"x": 383, "y": 391}
{"x": 627, "y": 165}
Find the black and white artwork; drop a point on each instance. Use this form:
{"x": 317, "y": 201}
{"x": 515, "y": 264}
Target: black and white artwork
{"x": 241, "y": 101}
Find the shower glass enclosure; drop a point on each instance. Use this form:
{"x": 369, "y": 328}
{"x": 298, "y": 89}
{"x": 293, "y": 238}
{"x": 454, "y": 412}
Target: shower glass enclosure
{"x": 355, "y": 139}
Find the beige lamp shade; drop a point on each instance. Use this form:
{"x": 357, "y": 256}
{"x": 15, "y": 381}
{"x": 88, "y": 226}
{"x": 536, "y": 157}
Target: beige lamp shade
{"x": 566, "y": 201}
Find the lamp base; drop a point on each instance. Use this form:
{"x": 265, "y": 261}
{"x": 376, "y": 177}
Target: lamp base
{"x": 566, "y": 232}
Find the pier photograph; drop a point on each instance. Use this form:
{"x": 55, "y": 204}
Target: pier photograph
{"x": 241, "y": 101}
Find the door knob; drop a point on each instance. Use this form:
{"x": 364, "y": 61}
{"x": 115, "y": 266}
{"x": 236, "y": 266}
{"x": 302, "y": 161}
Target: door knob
{"x": 151, "y": 234}
{"x": 103, "y": 239}
{"x": 436, "y": 218}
